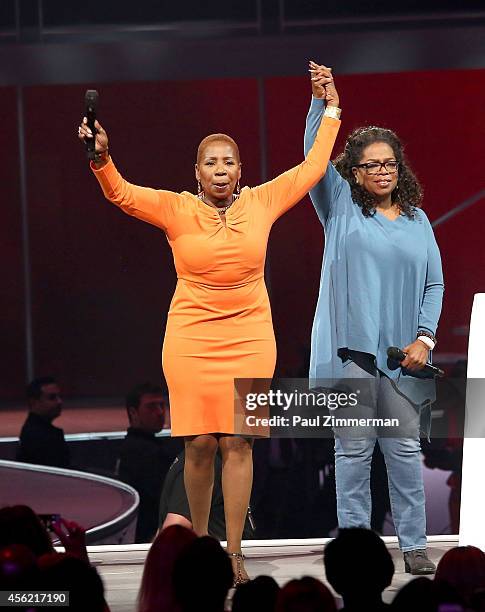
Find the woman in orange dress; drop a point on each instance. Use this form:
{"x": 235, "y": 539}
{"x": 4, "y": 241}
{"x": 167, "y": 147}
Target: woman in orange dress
{"x": 219, "y": 326}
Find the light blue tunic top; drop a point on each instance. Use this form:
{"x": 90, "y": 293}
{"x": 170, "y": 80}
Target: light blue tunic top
{"x": 381, "y": 281}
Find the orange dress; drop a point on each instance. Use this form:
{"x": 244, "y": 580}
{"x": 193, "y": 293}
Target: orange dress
{"x": 219, "y": 326}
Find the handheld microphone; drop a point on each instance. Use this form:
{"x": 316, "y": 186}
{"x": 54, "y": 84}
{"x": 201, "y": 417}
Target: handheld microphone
{"x": 395, "y": 353}
{"x": 90, "y": 107}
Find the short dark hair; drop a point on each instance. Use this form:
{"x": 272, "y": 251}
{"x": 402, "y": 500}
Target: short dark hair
{"x": 20, "y": 525}
{"x": 34, "y": 388}
{"x": 210, "y": 571}
{"x": 134, "y": 396}
{"x": 357, "y": 559}
{"x": 64, "y": 571}
{"x": 217, "y": 138}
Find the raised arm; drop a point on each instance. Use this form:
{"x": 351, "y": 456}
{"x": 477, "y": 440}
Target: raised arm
{"x": 151, "y": 205}
{"x": 154, "y": 206}
{"x": 288, "y": 188}
{"x": 325, "y": 192}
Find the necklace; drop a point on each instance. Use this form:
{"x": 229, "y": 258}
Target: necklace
{"x": 220, "y": 209}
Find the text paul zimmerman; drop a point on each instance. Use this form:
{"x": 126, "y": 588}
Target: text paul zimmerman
{"x": 328, "y": 420}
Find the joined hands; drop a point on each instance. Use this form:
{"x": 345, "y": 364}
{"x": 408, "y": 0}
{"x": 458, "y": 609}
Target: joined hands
{"x": 323, "y": 85}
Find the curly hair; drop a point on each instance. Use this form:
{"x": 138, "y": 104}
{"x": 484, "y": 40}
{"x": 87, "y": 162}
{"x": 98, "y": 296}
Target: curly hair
{"x": 408, "y": 193}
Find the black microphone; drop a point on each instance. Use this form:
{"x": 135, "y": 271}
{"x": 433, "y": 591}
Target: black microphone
{"x": 395, "y": 353}
{"x": 90, "y": 106}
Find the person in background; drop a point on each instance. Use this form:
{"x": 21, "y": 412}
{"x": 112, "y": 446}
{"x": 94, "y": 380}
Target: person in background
{"x": 157, "y": 589}
{"x": 308, "y": 594}
{"x": 259, "y": 595}
{"x": 41, "y": 442}
{"x": 20, "y": 525}
{"x": 462, "y": 569}
{"x": 64, "y": 572}
{"x": 202, "y": 576}
{"x": 144, "y": 459}
{"x": 358, "y": 567}
{"x": 174, "y": 505}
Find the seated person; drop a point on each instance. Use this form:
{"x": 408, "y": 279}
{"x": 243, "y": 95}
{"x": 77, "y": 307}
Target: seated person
{"x": 359, "y": 567}
{"x": 40, "y": 441}
{"x": 145, "y": 459}
{"x": 174, "y": 505}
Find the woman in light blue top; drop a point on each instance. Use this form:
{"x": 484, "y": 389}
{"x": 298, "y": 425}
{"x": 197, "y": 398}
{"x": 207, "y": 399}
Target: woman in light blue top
{"x": 381, "y": 286}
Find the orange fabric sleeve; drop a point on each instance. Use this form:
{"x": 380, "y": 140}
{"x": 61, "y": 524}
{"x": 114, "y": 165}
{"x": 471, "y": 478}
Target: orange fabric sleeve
{"x": 283, "y": 192}
{"x": 154, "y": 206}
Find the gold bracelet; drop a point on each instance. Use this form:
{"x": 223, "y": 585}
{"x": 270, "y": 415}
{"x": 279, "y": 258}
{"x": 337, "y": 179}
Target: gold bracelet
{"x": 332, "y": 111}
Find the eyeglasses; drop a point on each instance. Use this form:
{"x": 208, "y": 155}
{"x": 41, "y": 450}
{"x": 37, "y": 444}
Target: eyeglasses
{"x": 375, "y": 167}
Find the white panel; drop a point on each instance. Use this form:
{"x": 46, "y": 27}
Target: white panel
{"x": 472, "y": 512}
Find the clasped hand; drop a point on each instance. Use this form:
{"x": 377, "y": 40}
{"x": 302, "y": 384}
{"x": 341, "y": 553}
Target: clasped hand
{"x": 323, "y": 85}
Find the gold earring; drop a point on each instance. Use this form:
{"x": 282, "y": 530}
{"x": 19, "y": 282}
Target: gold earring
{"x": 199, "y": 188}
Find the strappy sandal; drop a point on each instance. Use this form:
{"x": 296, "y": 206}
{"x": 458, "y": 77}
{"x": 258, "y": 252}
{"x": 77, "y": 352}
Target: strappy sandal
{"x": 240, "y": 575}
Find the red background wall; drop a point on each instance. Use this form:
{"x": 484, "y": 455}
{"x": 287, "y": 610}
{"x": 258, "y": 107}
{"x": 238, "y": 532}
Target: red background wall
{"x": 102, "y": 282}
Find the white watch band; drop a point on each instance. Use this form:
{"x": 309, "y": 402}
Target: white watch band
{"x": 332, "y": 111}
{"x": 429, "y": 343}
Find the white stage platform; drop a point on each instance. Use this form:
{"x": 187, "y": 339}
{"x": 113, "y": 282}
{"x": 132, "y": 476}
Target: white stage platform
{"x": 121, "y": 567}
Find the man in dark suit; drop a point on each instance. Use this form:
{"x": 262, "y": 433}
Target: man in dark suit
{"x": 144, "y": 459}
{"x": 40, "y": 441}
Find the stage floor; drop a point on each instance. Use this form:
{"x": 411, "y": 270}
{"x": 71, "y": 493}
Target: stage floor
{"x": 121, "y": 567}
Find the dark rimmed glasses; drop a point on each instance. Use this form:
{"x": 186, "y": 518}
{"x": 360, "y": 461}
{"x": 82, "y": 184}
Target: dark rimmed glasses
{"x": 375, "y": 167}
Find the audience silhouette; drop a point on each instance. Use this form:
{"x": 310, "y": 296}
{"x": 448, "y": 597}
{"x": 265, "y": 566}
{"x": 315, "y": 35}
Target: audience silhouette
{"x": 156, "y": 590}
{"x": 359, "y": 567}
{"x": 305, "y": 595}
{"x": 202, "y": 576}
{"x": 258, "y": 595}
